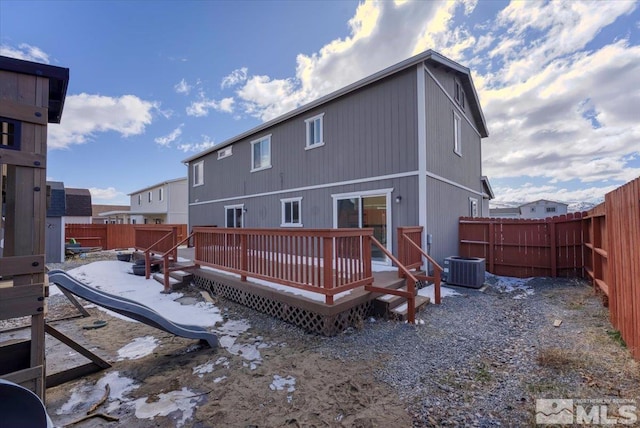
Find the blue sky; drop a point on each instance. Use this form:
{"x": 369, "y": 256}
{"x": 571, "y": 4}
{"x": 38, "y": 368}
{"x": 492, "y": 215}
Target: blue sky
{"x": 152, "y": 83}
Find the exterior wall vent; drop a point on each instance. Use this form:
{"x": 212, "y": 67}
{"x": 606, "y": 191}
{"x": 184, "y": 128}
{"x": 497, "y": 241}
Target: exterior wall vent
{"x": 464, "y": 271}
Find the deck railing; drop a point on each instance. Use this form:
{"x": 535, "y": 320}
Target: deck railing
{"x": 156, "y": 241}
{"x": 410, "y": 254}
{"x": 325, "y": 261}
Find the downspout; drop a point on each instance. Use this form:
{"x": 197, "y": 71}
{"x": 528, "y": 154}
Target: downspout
{"x": 422, "y": 156}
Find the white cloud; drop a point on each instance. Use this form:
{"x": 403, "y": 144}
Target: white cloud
{"x": 203, "y": 105}
{"x": 171, "y": 137}
{"x": 182, "y": 87}
{"x": 234, "y": 78}
{"x": 200, "y": 146}
{"x": 108, "y": 195}
{"x": 84, "y": 115}
{"x": 26, "y": 52}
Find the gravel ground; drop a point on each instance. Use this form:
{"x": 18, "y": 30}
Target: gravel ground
{"x": 478, "y": 359}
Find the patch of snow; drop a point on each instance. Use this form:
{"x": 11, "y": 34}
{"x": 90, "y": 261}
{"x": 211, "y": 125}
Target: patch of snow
{"x": 219, "y": 379}
{"x": 183, "y": 401}
{"x": 140, "y": 347}
{"x": 202, "y": 369}
{"x": 507, "y": 284}
{"x": 86, "y": 393}
{"x": 429, "y": 292}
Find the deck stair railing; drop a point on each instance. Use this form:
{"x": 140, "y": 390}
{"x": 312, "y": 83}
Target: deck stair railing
{"x": 156, "y": 241}
{"x": 411, "y": 253}
{"x": 411, "y": 282}
{"x": 166, "y": 263}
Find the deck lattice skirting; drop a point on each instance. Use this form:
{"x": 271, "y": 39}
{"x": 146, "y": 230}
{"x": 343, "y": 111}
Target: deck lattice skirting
{"x": 314, "y": 317}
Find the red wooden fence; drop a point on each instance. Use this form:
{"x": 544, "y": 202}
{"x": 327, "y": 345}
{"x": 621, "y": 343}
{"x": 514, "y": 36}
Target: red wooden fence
{"x": 525, "y": 248}
{"x": 613, "y": 258}
{"x": 110, "y": 236}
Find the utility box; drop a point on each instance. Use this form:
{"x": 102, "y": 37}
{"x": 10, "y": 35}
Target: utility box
{"x": 464, "y": 271}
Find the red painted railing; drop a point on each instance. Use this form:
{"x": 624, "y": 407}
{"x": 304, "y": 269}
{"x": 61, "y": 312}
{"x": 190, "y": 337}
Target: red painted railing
{"x": 410, "y": 254}
{"x": 325, "y": 261}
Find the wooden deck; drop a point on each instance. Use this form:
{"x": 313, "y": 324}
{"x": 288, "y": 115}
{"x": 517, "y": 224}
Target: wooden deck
{"x": 347, "y": 310}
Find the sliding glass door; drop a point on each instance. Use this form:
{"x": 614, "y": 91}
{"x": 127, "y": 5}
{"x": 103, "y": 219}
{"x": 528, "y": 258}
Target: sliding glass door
{"x": 365, "y": 211}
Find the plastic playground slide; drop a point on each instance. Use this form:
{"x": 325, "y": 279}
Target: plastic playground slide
{"x": 130, "y": 308}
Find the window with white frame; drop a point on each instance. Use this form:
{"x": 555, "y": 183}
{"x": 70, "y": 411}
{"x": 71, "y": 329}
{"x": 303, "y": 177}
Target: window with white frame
{"x": 261, "y": 153}
{"x": 160, "y": 194}
{"x": 473, "y": 207}
{"x": 150, "y": 195}
{"x": 224, "y": 153}
{"x": 551, "y": 209}
{"x": 198, "y": 173}
{"x": 291, "y": 212}
{"x": 459, "y": 95}
{"x": 457, "y": 134}
{"x": 234, "y": 215}
{"x": 315, "y": 132}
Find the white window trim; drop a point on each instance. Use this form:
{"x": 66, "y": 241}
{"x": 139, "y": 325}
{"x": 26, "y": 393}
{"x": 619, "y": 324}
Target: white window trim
{"x": 198, "y": 180}
{"x": 308, "y": 122}
{"x": 225, "y": 153}
{"x": 233, "y": 207}
{"x": 254, "y": 142}
{"x": 282, "y": 212}
{"x": 380, "y": 192}
{"x": 457, "y": 134}
{"x": 471, "y": 201}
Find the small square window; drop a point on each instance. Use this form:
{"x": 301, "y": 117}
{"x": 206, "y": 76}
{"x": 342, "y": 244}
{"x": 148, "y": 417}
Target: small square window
{"x": 261, "y": 154}
{"x": 291, "y": 212}
{"x": 198, "y": 173}
{"x": 10, "y": 134}
{"x": 225, "y": 153}
{"x": 315, "y": 132}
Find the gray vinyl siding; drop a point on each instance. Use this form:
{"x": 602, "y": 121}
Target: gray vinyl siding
{"x": 369, "y": 132}
{"x": 445, "y": 205}
{"x": 441, "y": 158}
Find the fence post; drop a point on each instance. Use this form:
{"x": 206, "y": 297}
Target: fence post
{"x": 327, "y": 267}
{"x": 553, "y": 250}
{"x": 491, "y": 240}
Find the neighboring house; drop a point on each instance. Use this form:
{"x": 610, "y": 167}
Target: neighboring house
{"x": 398, "y": 148}
{"x": 64, "y": 206}
{"x": 542, "y": 208}
{"x": 164, "y": 202}
{"x": 114, "y": 214}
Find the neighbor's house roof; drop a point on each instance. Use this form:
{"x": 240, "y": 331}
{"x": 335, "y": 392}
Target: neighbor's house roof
{"x": 158, "y": 185}
{"x": 56, "y": 205}
{"x": 98, "y": 209}
{"x": 58, "y": 81}
{"x": 131, "y": 213}
{"x": 78, "y": 202}
{"x": 543, "y": 200}
{"x": 429, "y": 56}
{"x": 504, "y": 211}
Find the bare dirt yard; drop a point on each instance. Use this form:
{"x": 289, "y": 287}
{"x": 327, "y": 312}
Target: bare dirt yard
{"x": 481, "y": 358}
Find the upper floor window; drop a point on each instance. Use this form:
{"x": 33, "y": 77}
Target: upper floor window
{"x": 291, "y": 212}
{"x": 140, "y": 199}
{"x": 10, "y": 134}
{"x": 533, "y": 209}
{"x": 160, "y": 194}
{"x": 198, "y": 173}
{"x": 457, "y": 134}
{"x": 261, "y": 153}
{"x": 459, "y": 95}
{"x": 315, "y": 133}
{"x": 551, "y": 209}
{"x": 226, "y": 152}
{"x": 150, "y": 195}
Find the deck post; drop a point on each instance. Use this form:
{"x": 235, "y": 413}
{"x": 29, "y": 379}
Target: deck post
{"x": 327, "y": 267}
{"x": 243, "y": 256}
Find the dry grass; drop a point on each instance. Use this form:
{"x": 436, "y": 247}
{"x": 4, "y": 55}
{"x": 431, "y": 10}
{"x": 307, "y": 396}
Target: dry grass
{"x": 560, "y": 359}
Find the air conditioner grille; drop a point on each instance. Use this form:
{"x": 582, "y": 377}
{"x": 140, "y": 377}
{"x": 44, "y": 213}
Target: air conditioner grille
{"x": 464, "y": 271}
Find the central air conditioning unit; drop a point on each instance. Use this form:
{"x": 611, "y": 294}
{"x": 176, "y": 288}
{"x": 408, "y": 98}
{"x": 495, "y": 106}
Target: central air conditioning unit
{"x": 464, "y": 271}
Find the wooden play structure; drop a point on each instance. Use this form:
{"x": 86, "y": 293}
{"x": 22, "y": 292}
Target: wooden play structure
{"x": 32, "y": 95}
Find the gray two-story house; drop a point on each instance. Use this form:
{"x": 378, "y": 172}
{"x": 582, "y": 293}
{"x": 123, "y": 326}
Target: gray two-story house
{"x": 398, "y": 148}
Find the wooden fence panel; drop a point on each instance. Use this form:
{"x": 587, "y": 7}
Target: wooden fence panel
{"x": 112, "y": 236}
{"x": 622, "y": 214}
{"x": 525, "y": 248}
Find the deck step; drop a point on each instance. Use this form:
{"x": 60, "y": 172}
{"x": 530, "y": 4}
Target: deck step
{"x": 182, "y": 276}
{"x": 400, "y": 312}
{"x": 174, "y": 283}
